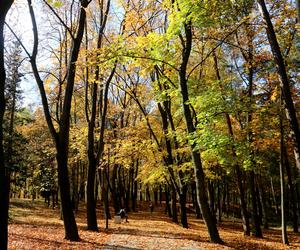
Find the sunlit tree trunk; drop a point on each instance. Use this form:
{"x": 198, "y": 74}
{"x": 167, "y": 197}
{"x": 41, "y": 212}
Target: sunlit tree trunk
{"x": 284, "y": 83}
{"x": 282, "y": 189}
{"x": 198, "y": 170}
{"x": 61, "y": 137}
{"x": 237, "y": 169}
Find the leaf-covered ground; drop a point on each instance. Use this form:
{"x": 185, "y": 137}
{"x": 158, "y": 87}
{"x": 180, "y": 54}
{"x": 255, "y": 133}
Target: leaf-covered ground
{"x": 34, "y": 226}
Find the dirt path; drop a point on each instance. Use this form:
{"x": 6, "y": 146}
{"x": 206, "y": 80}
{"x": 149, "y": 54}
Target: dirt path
{"x": 135, "y": 239}
{"x": 33, "y": 226}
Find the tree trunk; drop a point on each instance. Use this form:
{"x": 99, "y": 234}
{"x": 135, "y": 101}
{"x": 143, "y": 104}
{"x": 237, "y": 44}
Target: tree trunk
{"x": 281, "y": 169}
{"x": 91, "y": 201}
{"x": 71, "y": 232}
{"x": 155, "y": 193}
{"x": 61, "y": 138}
{"x": 199, "y": 174}
{"x": 255, "y": 218}
{"x": 219, "y": 204}
{"x": 259, "y": 206}
{"x": 263, "y": 199}
{"x": 182, "y": 201}
{"x": 274, "y": 197}
{"x": 168, "y": 208}
{"x": 284, "y": 83}
{"x": 174, "y": 205}
{"x": 160, "y": 194}
{"x": 114, "y": 190}
{"x": 211, "y": 192}
{"x": 291, "y": 191}
{"x": 105, "y": 187}
{"x": 135, "y": 187}
{"x": 148, "y": 196}
{"x": 244, "y": 213}
{"x": 4, "y": 172}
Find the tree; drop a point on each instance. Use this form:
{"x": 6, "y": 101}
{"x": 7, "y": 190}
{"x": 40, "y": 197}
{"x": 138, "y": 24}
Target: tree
{"x": 284, "y": 82}
{"x": 99, "y": 103}
{"x": 4, "y": 172}
{"x": 61, "y": 137}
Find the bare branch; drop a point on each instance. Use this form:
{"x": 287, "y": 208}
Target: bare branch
{"x": 59, "y": 18}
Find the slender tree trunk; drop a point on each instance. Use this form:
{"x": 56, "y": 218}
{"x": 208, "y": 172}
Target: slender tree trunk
{"x": 284, "y": 83}
{"x": 61, "y": 138}
{"x": 91, "y": 201}
{"x": 297, "y": 191}
{"x": 211, "y": 192}
{"x": 4, "y": 172}
{"x": 259, "y": 205}
{"x": 291, "y": 191}
{"x": 281, "y": 169}
{"x": 148, "y": 196}
{"x": 182, "y": 201}
{"x": 219, "y": 204}
{"x": 160, "y": 194}
{"x": 199, "y": 174}
{"x": 227, "y": 199}
{"x": 114, "y": 190}
{"x": 104, "y": 187}
{"x": 135, "y": 187}
{"x": 274, "y": 197}
{"x": 141, "y": 192}
{"x": 255, "y": 218}
{"x": 174, "y": 205}
{"x": 168, "y": 208}
{"x": 263, "y": 200}
{"x": 155, "y": 193}
{"x": 244, "y": 213}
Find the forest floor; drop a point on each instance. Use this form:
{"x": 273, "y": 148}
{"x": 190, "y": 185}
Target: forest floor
{"x": 35, "y": 226}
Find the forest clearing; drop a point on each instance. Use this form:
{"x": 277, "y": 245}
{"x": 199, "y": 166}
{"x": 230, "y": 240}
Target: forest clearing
{"x": 35, "y": 226}
{"x": 180, "y": 116}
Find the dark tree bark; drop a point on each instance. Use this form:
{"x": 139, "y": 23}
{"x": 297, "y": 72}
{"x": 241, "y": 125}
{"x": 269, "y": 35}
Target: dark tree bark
{"x": 255, "y": 217}
{"x": 174, "y": 205}
{"x": 284, "y": 83}
{"x": 259, "y": 205}
{"x": 160, "y": 194}
{"x": 61, "y": 138}
{"x": 219, "y": 204}
{"x": 263, "y": 200}
{"x": 148, "y": 196}
{"x": 237, "y": 169}
{"x": 4, "y": 172}
{"x": 274, "y": 197}
{"x": 95, "y": 152}
{"x": 199, "y": 174}
{"x": 182, "y": 202}
{"x": 168, "y": 208}
{"x": 195, "y": 202}
{"x": 135, "y": 186}
{"x": 211, "y": 192}
{"x": 182, "y": 189}
{"x": 155, "y": 193}
{"x": 114, "y": 189}
{"x": 291, "y": 191}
